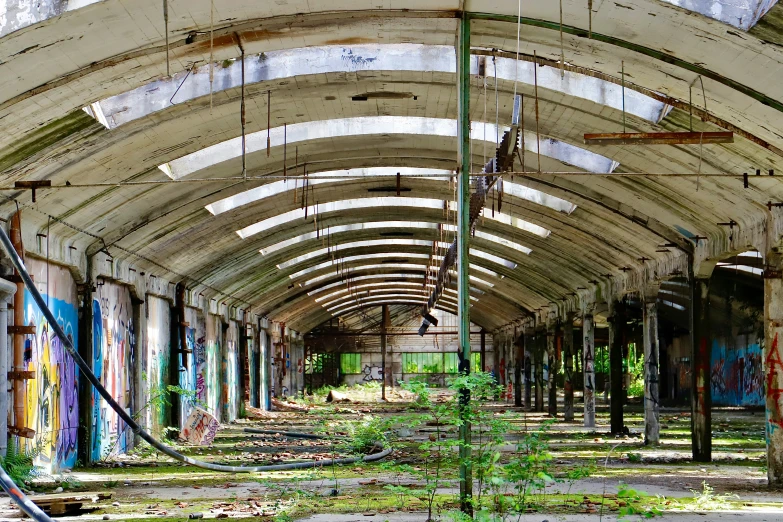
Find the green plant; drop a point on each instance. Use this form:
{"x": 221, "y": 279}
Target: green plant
{"x": 530, "y": 470}
{"x": 634, "y": 457}
{"x": 708, "y": 500}
{"x": 630, "y": 504}
{"x": 367, "y": 434}
{"x": 19, "y": 463}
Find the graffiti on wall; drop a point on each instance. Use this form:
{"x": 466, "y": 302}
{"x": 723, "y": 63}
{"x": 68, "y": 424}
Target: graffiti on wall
{"x": 114, "y": 345}
{"x": 156, "y": 369}
{"x": 231, "y": 378}
{"x": 210, "y": 369}
{"x": 372, "y": 373}
{"x": 737, "y": 376}
{"x": 774, "y": 382}
{"x": 52, "y": 406}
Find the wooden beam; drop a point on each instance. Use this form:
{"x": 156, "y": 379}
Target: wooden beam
{"x": 659, "y": 138}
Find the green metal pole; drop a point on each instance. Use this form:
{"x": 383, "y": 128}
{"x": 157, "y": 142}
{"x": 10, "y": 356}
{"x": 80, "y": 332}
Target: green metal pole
{"x": 463, "y": 235}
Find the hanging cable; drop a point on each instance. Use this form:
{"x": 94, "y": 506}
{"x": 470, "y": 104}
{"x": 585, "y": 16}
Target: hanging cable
{"x": 497, "y": 104}
{"x": 211, "y": 51}
{"x": 622, "y": 73}
{"x": 535, "y": 86}
{"x": 166, "y": 29}
{"x": 268, "y": 122}
{"x": 516, "y": 63}
{"x": 562, "y": 47}
{"x": 590, "y": 19}
{"x": 242, "y": 110}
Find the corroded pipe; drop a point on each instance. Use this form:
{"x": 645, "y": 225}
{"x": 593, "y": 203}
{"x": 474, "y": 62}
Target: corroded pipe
{"x": 18, "y": 365}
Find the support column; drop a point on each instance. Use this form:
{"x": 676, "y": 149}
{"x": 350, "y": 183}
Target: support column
{"x": 528, "y": 370}
{"x": 773, "y": 361}
{"x": 519, "y": 355}
{"x": 617, "y": 331}
{"x": 463, "y": 266}
{"x": 384, "y": 325}
{"x": 651, "y": 377}
{"x": 701, "y": 399}
{"x": 85, "y": 347}
{"x": 538, "y": 369}
{"x": 568, "y": 356}
{"x": 483, "y": 362}
{"x": 588, "y": 368}
{"x": 551, "y": 349}
{"x": 7, "y": 291}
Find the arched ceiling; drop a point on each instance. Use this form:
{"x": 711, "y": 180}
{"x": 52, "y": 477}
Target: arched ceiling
{"x": 348, "y": 88}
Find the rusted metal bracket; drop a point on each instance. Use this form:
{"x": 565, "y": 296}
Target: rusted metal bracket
{"x": 24, "y": 375}
{"x": 771, "y": 204}
{"x": 22, "y": 329}
{"x": 772, "y": 273}
{"x": 26, "y": 433}
{"x": 659, "y": 138}
{"x": 33, "y": 185}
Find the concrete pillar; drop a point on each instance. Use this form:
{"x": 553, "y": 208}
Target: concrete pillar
{"x": 528, "y": 369}
{"x": 519, "y": 362}
{"x": 7, "y": 291}
{"x": 538, "y": 368}
{"x": 617, "y": 331}
{"x": 483, "y": 355}
{"x": 384, "y": 325}
{"x": 588, "y": 368}
{"x": 568, "y": 356}
{"x": 651, "y": 364}
{"x": 554, "y": 366}
{"x": 773, "y": 362}
{"x": 701, "y": 399}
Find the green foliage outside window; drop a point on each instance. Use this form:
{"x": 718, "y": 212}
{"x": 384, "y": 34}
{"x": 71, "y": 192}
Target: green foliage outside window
{"x": 437, "y": 362}
{"x": 350, "y": 363}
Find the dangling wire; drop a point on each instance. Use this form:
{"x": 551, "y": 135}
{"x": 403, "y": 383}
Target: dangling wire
{"x": 166, "y": 29}
{"x": 562, "y": 50}
{"x": 211, "y": 51}
{"x": 516, "y": 64}
{"x": 497, "y": 104}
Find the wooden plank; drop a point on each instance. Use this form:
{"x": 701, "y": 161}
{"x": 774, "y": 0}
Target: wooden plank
{"x": 659, "y": 138}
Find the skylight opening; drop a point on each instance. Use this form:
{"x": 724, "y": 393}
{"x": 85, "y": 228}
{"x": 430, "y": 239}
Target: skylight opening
{"x": 491, "y": 257}
{"x": 348, "y": 228}
{"x": 387, "y": 293}
{"x": 495, "y": 239}
{"x": 316, "y": 178}
{"x": 512, "y": 221}
{"x": 536, "y": 196}
{"x": 280, "y": 187}
{"x": 579, "y": 86}
{"x": 371, "y": 303}
{"x": 673, "y": 305}
{"x": 742, "y": 268}
{"x": 418, "y": 277}
{"x": 742, "y": 14}
{"x": 351, "y": 259}
{"x": 354, "y": 269}
{"x": 337, "y": 206}
{"x": 370, "y": 125}
{"x": 288, "y": 63}
{"x": 473, "y": 266}
{"x": 394, "y": 284}
{"x": 355, "y": 244}
{"x": 385, "y": 297}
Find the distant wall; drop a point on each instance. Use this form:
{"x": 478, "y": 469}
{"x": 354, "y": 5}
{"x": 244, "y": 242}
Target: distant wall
{"x": 737, "y": 373}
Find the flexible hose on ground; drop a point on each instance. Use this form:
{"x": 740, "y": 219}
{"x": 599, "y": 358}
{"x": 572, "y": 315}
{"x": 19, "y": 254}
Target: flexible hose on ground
{"x": 31, "y": 509}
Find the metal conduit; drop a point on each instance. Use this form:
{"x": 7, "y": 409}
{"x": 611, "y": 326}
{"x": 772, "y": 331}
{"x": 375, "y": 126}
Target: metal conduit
{"x": 34, "y": 511}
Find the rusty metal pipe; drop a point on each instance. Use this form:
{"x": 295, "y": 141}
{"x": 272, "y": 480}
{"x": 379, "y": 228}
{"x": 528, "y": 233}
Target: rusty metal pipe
{"x": 20, "y": 390}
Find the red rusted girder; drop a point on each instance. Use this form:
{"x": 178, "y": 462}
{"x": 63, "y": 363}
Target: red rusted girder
{"x": 659, "y": 138}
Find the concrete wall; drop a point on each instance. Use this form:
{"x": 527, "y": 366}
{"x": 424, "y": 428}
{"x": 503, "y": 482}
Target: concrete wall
{"x": 114, "y": 358}
{"x": 156, "y": 359}
{"x": 52, "y": 406}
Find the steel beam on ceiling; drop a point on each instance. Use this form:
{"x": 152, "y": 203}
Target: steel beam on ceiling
{"x": 659, "y": 138}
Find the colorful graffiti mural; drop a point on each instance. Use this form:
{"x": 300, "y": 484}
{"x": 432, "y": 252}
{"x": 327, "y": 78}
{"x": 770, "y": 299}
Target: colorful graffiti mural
{"x": 114, "y": 345}
{"x": 156, "y": 362}
{"x": 737, "y": 375}
{"x": 211, "y": 370}
{"x": 52, "y": 406}
{"x": 231, "y": 385}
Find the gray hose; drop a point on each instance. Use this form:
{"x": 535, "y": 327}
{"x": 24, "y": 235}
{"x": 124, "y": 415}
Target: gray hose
{"x": 30, "y": 508}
